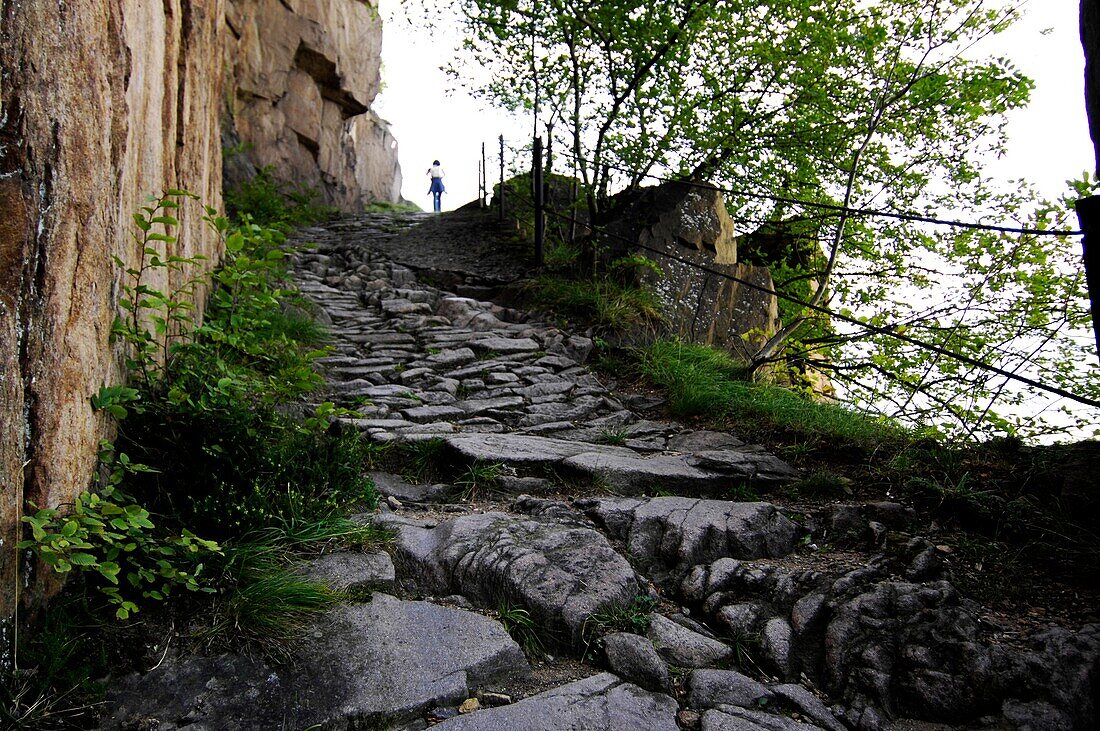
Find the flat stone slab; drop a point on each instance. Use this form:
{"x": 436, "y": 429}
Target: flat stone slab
{"x": 397, "y": 486}
{"x": 732, "y": 718}
{"x": 451, "y": 358}
{"x": 472, "y": 407}
{"x": 525, "y": 449}
{"x": 756, "y": 467}
{"x": 505, "y": 345}
{"x": 424, "y": 414}
{"x": 364, "y": 664}
{"x": 670, "y": 535}
{"x": 351, "y": 570}
{"x": 633, "y": 473}
{"x": 599, "y": 703}
{"x": 560, "y": 573}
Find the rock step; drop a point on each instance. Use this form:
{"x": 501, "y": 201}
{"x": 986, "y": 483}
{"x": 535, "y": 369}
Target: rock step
{"x": 366, "y": 665}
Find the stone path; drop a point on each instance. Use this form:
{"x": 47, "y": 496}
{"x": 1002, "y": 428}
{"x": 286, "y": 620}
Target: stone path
{"x": 597, "y": 522}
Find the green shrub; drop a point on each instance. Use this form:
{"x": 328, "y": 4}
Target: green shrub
{"x": 227, "y": 472}
{"x": 268, "y": 203}
{"x": 110, "y": 536}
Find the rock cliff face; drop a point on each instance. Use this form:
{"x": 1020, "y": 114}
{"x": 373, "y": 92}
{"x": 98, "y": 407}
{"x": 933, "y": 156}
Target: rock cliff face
{"x": 102, "y": 104}
{"x": 305, "y": 75}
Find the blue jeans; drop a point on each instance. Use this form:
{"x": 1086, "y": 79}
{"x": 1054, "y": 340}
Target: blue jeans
{"x": 436, "y": 190}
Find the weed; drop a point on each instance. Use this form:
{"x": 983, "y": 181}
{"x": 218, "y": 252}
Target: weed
{"x": 613, "y": 436}
{"x": 605, "y": 303}
{"x": 703, "y": 381}
{"x": 632, "y": 618}
{"x": 477, "y": 477}
{"x": 388, "y": 207}
{"x": 742, "y": 493}
{"x": 821, "y": 483}
{"x": 53, "y": 688}
{"x": 745, "y": 649}
{"x": 522, "y": 627}
{"x": 422, "y": 465}
{"x": 602, "y": 484}
{"x": 269, "y": 606}
{"x": 25, "y": 704}
{"x": 264, "y": 201}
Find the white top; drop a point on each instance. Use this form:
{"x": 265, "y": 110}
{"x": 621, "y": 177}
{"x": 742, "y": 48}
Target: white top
{"x": 436, "y": 171}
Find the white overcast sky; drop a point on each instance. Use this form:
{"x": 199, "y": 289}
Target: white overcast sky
{"x": 1049, "y": 141}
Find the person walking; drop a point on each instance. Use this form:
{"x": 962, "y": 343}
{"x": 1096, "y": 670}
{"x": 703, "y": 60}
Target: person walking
{"x": 437, "y": 189}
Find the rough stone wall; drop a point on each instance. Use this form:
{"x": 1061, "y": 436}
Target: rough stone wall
{"x": 102, "y": 103}
{"x": 305, "y": 75}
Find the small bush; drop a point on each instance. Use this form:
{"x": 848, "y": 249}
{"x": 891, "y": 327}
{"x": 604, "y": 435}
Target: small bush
{"x": 266, "y": 202}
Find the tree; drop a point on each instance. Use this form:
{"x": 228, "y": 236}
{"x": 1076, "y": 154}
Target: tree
{"x": 815, "y": 109}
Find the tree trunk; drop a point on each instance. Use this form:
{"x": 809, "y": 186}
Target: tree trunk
{"x": 1090, "y": 40}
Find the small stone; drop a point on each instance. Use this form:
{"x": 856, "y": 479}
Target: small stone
{"x": 493, "y": 700}
{"x": 470, "y": 705}
{"x": 394, "y": 503}
{"x": 743, "y": 619}
{"x": 776, "y": 645}
{"x": 689, "y": 719}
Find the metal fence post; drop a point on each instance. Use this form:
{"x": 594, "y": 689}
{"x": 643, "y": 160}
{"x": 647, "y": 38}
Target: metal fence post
{"x": 538, "y": 191}
{"x": 484, "y": 182}
{"x": 1088, "y": 213}
{"x": 502, "y": 178}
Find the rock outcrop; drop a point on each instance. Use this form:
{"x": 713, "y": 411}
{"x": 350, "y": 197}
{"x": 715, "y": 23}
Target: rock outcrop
{"x": 305, "y": 75}
{"x": 707, "y": 295}
{"x": 102, "y": 104}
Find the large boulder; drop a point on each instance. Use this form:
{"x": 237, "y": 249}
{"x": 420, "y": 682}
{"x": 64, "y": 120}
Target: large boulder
{"x": 668, "y": 536}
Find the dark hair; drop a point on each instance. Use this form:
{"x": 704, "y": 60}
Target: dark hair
{"x": 435, "y": 162}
